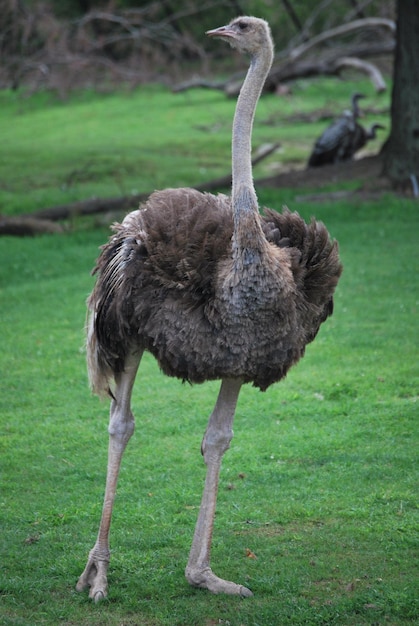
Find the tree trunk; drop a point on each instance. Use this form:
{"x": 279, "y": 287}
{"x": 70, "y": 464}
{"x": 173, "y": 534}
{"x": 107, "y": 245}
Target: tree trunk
{"x": 401, "y": 151}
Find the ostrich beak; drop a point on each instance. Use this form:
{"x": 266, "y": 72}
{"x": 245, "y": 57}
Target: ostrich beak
{"x": 222, "y": 32}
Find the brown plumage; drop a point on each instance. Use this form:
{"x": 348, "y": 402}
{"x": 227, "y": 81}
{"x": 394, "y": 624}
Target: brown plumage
{"x": 213, "y": 290}
{"x": 167, "y": 283}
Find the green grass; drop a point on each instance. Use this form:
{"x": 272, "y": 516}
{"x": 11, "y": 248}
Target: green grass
{"x": 56, "y": 152}
{"x": 321, "y": 481}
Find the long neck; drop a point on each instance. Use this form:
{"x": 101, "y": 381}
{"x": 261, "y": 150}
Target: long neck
{"x": 244, "y": 198}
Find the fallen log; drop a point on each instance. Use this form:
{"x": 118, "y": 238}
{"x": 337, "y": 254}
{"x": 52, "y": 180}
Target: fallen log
{"x": 94, "y": 206}
{"x": 26, "y": 226}
{"x": 89, "y": 207}
{"x": 287, "y": 72}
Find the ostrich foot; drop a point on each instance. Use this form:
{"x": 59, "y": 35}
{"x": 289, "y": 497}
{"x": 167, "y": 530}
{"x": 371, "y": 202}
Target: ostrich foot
{"x": 206, "y": 579}
{"x": 94, "y": 576}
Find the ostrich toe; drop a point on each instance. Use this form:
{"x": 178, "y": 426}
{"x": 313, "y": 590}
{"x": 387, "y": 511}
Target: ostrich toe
{"x": 206, "y": 579}
{"x": 95, "y": 577}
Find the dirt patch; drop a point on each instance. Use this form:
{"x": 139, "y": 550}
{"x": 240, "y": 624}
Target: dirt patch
{"x": 367, "y": 171}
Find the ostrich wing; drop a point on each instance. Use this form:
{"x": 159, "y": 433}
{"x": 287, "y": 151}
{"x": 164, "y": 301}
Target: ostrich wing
{"x": 314, "y": 262}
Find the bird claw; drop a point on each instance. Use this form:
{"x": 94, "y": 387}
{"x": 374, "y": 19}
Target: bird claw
{"x": 245, "y": 592}
{"x": 206, "y": 579}
{"x": 98, "y": 596}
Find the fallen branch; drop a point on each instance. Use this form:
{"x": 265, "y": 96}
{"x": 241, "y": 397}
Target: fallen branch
{"x": 327, "y": 67}
{"x": 199, "y": 83}
{"x": 27, "y": 226}
{"x": 363, "y": 66}
{"x": 90, "y": 207}
{"x": 225, "y": 181}
{"x": 125, "y": 203}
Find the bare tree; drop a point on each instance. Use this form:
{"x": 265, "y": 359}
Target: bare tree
{"x": 401, "y": 151}
{"x": 40, "y": 48}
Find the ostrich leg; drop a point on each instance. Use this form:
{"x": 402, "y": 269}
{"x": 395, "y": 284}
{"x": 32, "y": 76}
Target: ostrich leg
{"x": 121, "y": 427}
{"x": 216, "y": 441}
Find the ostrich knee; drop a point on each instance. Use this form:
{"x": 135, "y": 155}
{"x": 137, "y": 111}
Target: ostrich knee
{"x": 216, "y": 442}
{"x": 121, "y": 424}
{"x": 121, "y": 419}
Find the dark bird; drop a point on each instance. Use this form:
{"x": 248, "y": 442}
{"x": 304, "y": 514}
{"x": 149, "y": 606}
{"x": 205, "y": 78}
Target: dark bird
{"x": 362, "y": 136}
{"x": 336, "y": 142}
{"x": 214, "y": 291}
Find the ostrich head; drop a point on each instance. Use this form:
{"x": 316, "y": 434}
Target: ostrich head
{"x": 247, "y": 34}
{"x": 357, "y": 96}
{"x": 372, "y": 131}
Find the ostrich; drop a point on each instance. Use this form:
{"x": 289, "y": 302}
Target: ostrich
{"x": 334, "y": 145}
{"x": 214, "y": 291}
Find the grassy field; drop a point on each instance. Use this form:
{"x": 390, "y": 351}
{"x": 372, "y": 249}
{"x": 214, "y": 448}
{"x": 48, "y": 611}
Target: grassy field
{"x": 55, "y": 152}
{"x": 321, "y": 482}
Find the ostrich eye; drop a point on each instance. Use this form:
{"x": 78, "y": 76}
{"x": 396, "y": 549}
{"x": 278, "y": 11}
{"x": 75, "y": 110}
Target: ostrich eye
{"x": 243, "y": 25}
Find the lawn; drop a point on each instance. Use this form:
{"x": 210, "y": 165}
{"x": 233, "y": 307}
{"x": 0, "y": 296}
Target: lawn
{"x": 318, "y": 505}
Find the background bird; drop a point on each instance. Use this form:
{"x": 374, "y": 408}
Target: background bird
{"x": 214, "y": 291}
{"x": 361, "y": 137}
{"x": 336, "y": 142}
